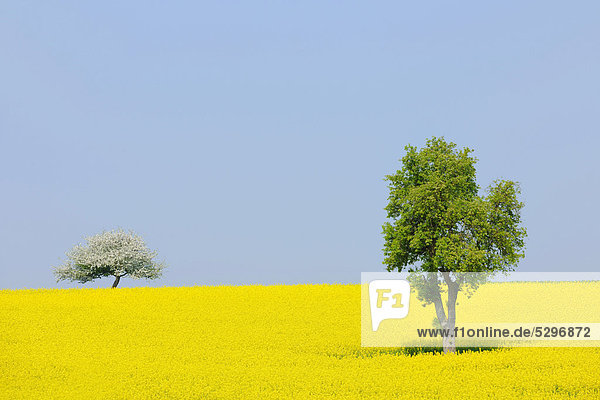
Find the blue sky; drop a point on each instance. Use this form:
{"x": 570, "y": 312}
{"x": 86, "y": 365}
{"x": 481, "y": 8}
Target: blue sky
{"x": 248, "y": 142}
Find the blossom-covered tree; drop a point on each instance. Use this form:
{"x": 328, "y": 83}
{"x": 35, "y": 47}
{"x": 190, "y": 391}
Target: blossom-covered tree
{"x": 115, "y": 253}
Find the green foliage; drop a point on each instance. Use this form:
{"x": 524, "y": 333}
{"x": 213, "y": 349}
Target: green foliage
{"x": 429, "y": 286}
{"x": 438, "y": 221}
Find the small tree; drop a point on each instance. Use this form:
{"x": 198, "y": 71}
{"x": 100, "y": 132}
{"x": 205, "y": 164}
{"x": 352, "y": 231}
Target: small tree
{"x": 441, "y": 225}
{"x": 116, "y": 253}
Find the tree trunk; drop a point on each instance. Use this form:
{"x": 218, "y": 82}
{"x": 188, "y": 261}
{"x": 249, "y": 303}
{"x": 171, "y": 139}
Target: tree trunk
{"x": 449, "y": 342}
{"x": 448, "y": 322}
{"x": 116, "y": 282}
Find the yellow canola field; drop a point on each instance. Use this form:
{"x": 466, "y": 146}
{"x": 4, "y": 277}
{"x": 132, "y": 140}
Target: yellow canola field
{"x": 260, "y": 342}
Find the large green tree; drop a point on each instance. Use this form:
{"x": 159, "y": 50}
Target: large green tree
{"x": 439, "y": 223}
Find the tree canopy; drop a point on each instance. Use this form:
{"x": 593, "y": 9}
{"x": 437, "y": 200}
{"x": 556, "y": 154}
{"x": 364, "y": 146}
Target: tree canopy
{"x": 440, "y": 222}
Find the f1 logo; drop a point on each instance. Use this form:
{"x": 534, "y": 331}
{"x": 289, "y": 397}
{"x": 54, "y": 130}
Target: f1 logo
{"x": 389, "y": 299}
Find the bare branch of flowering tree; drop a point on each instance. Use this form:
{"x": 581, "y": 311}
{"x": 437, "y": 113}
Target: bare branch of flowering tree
{"x": 115, "y": 253}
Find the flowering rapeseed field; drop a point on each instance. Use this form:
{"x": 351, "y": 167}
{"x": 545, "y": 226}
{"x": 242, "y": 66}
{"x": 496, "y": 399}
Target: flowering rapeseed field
{"x": 263, "y": 342}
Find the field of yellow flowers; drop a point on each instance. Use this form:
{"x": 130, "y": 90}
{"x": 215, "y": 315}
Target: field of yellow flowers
{"x": 263, "y": 342}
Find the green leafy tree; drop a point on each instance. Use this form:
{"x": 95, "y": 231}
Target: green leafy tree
{"x": 116, "y": 253}
{"x": 439, "y": 224}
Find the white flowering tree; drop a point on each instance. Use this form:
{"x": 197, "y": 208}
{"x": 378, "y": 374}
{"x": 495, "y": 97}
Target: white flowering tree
{"x": 116, "y": 253}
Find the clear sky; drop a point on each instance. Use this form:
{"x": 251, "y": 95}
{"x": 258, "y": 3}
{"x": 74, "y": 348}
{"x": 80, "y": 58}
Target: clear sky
{"x": 247, "y": 142}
